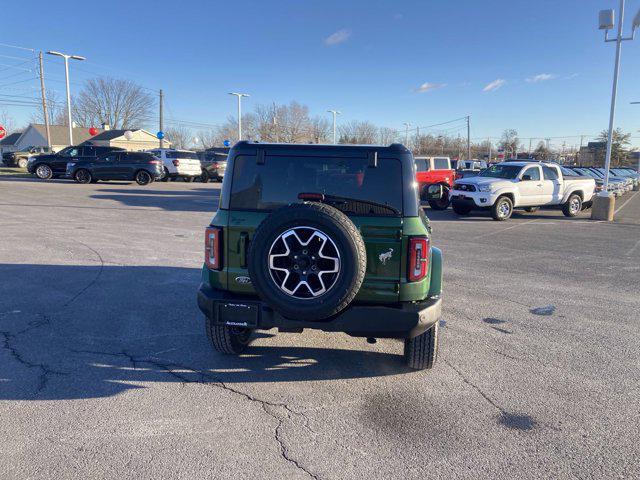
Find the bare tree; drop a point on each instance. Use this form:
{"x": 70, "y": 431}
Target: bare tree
{"x": 388, "y": 135}
{"x": 7, "y": 121}
{"x": 358, "y": 132}
{"x": 509, "y": 141}
{"x": 119, "y": 103}
{"x": 319, "y": 130}
{"x": 179, "y": 136}
{"x": 55, "y": 109}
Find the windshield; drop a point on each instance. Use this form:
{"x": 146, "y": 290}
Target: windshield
{"x": 501, "y": 171}
{"x": 349, "y": 184}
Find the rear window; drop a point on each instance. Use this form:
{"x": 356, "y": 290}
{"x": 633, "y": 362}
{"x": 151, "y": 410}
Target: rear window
{"x": 422, "y": 165}
{"x": 187, "y": 155}
{"x": 441, "y": 164}
{"x": 281, "y": 179}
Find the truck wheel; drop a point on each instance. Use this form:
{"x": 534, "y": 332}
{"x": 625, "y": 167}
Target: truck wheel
{"x": 204, "y": 176}
{"x": 531, "y": 209}
{"x": 573, "y": 206}
{"x": 227, "y": 339}
{"x": 421, "y": 352}
{"x": 44, "y": 172}
{"x": 22, "y": 163}
{"x": 165, "y": 177}
{"x": 442, "y": 203}
{"x": 502, "y": 209}
{"x": 461, "y": 209}
{"x": 83, "y": 176}
{"x": 307, "y": 260}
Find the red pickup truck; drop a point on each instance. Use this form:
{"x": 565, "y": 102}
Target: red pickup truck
{"x": 435, "y": 171}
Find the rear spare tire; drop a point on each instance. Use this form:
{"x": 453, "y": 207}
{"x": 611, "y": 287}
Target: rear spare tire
{"x": 307, "y": 261}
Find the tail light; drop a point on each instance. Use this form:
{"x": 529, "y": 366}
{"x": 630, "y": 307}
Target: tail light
{"x": 212, "y": 247}
{"x": 176, "y": 163}
{"x": 155, "y": 162}
{"x": 214, "y": 164}
{"x": 418, "y": 258}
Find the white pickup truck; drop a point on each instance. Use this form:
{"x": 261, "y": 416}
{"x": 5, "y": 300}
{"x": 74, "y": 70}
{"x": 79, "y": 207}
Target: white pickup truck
{"x": 529, "y": 185}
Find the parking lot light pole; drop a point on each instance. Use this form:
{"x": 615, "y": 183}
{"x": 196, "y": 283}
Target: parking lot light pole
{"x": 604, "y": 203}
{"x": 66, "y": 72}
{"x": 239, "y": 95}
{"x": 334, "y": 113}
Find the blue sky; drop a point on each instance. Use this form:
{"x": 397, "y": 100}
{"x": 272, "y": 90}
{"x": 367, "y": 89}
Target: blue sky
{"x": 549, "y": 66}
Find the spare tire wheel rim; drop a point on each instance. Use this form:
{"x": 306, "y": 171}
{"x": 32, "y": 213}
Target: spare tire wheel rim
{"x": 304, "y": 262}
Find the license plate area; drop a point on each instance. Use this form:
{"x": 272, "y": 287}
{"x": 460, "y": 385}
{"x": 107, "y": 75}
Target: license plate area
{"x": 238, "y": 314}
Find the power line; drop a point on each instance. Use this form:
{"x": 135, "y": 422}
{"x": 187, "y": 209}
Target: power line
{"x": 16, "y": 46}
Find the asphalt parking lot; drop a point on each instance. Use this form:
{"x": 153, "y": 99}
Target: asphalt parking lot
{"x": 105, "y": 370}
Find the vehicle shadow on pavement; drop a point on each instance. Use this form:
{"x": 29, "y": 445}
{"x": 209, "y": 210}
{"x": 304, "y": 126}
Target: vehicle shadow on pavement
{"x": 485, "y": 215}
{"x": 70, "y": 332}
{"x": 192, "y": 200}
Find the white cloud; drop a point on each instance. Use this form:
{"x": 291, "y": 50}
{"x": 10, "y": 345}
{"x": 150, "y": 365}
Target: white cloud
{"x": 426, "y": 87}
{"x": 542, "y": 77}
{"x": 340, "y": 36}
{"x": 573, "y": 75}
{"x": 495, "y": 85}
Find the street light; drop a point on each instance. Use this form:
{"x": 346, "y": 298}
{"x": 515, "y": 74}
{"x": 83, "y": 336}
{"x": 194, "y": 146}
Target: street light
{"x": 66, "y": 72}
{"x": 239, "y": 95}
{"x": 334, "y": 113}
{"x": 607, "y": 22}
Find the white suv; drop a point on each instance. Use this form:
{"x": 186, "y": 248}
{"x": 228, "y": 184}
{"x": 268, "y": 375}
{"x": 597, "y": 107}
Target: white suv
{"x": 178, "y": 163}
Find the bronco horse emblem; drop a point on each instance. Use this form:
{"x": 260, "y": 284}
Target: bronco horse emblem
{"x": 383, "y": 257}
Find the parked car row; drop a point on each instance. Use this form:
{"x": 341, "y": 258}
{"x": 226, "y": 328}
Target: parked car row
{"x": 501, "y": 188}
{"x": 88, "y": 163}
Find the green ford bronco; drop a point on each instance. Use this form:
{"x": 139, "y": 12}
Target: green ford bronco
{"x": 329, "y": 237}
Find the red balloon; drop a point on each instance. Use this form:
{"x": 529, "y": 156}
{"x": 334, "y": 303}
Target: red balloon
{"x": 93, "y": 131}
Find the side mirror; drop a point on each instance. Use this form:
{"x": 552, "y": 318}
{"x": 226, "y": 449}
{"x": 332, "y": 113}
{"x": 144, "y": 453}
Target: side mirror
{"x": 526, "y": 178}
{"x": 435, "y": 192}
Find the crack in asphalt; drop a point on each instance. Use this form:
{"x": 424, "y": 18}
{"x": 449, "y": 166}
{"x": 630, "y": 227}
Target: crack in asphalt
{"x": 45, "y": 371}
{"x": 268, "y": 407}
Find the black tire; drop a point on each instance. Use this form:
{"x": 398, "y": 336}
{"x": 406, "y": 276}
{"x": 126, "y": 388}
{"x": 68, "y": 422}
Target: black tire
{"x": 165, "y": 177}
{"x": 573, "y": 206}
{"x": 83, "y": 176}
{"x": 143, "y": 177}
{"x": 188, "y": 179}
{"x": 502, "y": 209}
{"x": 421, "y": 352}
{"x": 22, "y": 163}
{"x": 43, "y": 172}
{"x": 531, "y": 209}
{"x": 442, "y": 203}
{"x": 461, "y": 209}
{"x": 204, "y": 176}
{"x": 345, "y": 283}
{"x": 227, "y": 339}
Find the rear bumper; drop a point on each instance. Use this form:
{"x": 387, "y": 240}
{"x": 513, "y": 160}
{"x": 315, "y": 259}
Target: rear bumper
{"x": 406, "y": 320}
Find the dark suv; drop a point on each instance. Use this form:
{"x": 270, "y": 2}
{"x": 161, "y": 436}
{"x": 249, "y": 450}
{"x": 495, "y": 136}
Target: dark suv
{"x": 55, "y": 164}
{"x": 142, "y": 167}
{"x": 324, "y": 237}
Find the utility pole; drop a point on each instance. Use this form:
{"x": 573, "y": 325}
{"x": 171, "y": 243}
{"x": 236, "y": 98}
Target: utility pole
{"x": 579, "y": 150}
{"x": 334, "y": 113}
{"x": 548, "y": 140}
{"x": 44, "y": 101}
{"x": 468, "y": 137}
{"x": 161, "y": 117}
{"x": 239, "y": 95}
{"x": 489, "y": 141}
{"x": 529, "y": 152}
{"x": 406, "y": 133}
